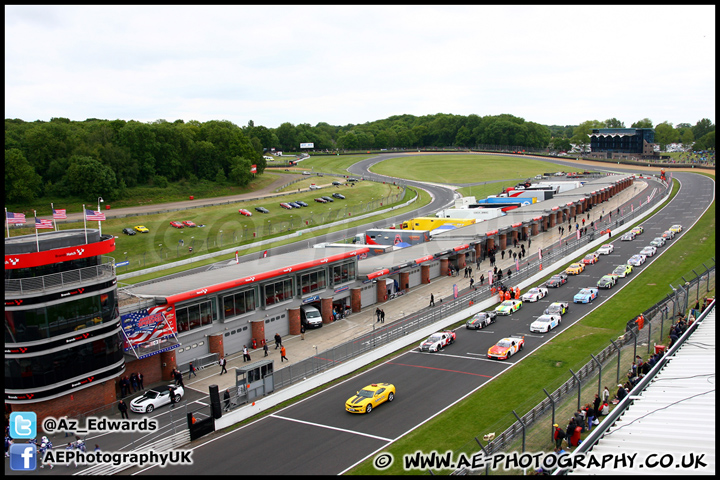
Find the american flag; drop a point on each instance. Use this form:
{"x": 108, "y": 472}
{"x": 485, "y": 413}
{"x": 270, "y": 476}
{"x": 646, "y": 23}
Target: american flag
{"x": 94, "y": 215}
{"x": 42, "y": 223}
{"x": 59, "y": 213}
{"x": 143, "y": 326}
{"x": 15, "y": 217}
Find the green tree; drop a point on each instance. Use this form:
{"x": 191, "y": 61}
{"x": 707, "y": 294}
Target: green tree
{"x": 22, "y": 182}
{"x": 613, "y": 123}
{"x": 220, "y": 176}
{"x": 240, "y": 171}
{"x": 703, "y": 127}
{"x": 644, "y": 123}
{"x": 665, "y": 134}
{"x": 708, "y": 140}
{"x": 88, "y": 178}
{"x": 687, "y": 138}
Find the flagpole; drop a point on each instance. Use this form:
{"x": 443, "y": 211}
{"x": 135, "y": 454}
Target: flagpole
{"x": 85, "y": 223}
{"x": 37, "y": 240}
{"x": 52, "y": 208}
{"x": 7, "y": 224}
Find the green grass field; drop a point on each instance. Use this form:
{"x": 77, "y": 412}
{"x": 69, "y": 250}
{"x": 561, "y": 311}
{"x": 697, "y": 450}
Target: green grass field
{"x": 548, "y": 366}
{"x": 461, "y": 169}
{"x": 331, "y": 164}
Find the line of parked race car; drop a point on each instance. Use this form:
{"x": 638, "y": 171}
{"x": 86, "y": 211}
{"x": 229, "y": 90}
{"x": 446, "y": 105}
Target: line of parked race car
{"x": 241, "y": 211}
{"x": 552, "y": 316}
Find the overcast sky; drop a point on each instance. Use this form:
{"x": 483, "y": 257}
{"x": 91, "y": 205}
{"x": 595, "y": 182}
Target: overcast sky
{"x": 554, "y": 65}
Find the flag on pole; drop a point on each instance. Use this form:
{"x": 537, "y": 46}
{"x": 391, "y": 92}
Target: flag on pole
{"x": 632, "y": 208}
{"x": 264, "y": 254}
{"x": 490, "y": 277}
{"x": 577, "y": 234}
{"x": 15, "y": 217}
{"x": 539, "y": 253}
{"x": 42, "y": 223}
{"x": 59, "y": 213}
{"x": 517, "y": 265}
{"x": 237, "y": 257}
{"x": 94, "y": 215}
{"x": 253, "y": 168}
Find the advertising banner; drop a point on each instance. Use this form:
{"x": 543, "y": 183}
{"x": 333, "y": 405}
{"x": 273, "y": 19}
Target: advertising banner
{"x": 142, "y": 327}
{"x": 307, "y": 145}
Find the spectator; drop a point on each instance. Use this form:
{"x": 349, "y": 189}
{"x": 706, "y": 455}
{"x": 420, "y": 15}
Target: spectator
{"x": 282, "y": 354}
{"x": 605, "y": 394}
{"x": 278, "y": 341}
{"x": 191, "y": 371}
{"x": 558, "y": 436}
{"x": 596, "y": 406}
{"x": 140, "y": 381}
{"x": 122, "y": 406}
{"x": 226, "y": 398}
{"x": 621, "y": 393}
{"x": 265, "y": 347}
{"x": 223, "y": 364}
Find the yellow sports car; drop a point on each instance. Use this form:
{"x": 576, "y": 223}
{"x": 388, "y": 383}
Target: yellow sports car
{"x": 676, "y": 228}
{"x": 370, "y": 397}
{"x": 142, "y": 229}
{"x": 638, "y": 230}
{"x": 575, "y": 268}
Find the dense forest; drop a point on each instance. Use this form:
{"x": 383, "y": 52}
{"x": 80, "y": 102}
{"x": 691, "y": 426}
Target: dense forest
{"x": 95, "y": 157}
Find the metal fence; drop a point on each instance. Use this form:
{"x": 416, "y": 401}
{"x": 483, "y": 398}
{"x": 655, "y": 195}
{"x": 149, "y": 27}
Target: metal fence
{"x": 657, "y": 318}
{"x": 326, "y": 359}
{"x": 24, "y": 286}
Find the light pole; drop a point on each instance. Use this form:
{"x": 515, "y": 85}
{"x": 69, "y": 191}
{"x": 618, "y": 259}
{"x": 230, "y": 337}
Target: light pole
{"x": 221, "y": 238}
{"x": 160, "y": 246}
{"x": 100, "y": 200}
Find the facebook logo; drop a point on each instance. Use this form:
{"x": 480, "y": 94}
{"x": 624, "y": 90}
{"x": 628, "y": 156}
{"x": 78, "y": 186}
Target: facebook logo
{"x": 23, "y": 456}
{"x": 23, "y": 425}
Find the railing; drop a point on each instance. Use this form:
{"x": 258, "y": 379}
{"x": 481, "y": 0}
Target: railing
{"x": 656, "y": 317}
{"x": 31, "y": 285}
{"x": 447, "y": 306}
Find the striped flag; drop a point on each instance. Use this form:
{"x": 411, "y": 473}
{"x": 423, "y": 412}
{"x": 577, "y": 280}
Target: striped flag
{"x": 15, "y": 217}
{"x": 59, "y": 213}
{"x": 94, "y": 215}
{"x": 42, "y": 223}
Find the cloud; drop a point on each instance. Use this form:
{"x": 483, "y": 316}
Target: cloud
{"x": 354, "y": 64}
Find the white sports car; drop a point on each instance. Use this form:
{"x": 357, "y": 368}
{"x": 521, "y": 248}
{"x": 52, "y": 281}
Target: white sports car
{"x": 545, "y": 323}
{"x": 437, "y": 341}
{"x": 636, "y": 260}
{"x": 534, "y": 294}
{"x": 606, "y": 249}
{"x": 153, "y": 399}
{"x": 648, "y": 251}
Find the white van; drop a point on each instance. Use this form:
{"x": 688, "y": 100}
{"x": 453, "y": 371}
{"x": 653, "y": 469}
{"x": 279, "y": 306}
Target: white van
{"x": 310, "y": 317}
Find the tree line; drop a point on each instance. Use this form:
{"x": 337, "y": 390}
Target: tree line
{"x": 96, "y": 157}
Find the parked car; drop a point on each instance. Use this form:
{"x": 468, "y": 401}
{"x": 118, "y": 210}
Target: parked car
{"x": 437, "y": 341}
{"x": 534, "y": 294}
{"x": 286, "y": 206}
{"x": 328, "y": 199}
{"x": 129, "y": 231}
{"x": 294, "y": 204}
{"x": 370, "y": 397}
{"x": 306, "y": 173}
{"x": 352, "y": 179}
{"x": 545, "y": 323}
{"x": 247, "y": 213}
{"x": 152, "y": 399}
{"x": 142, "y": 229}
{"x": 262, "y": 209}
{"x": 636, "y": 260}
{"x": 648, "y": 251}
{"x": 176, "y": 224}
{"x": 607, "y": 281}
{"x": 508, "y": 307}
{"x": 506, "y": 347}
{"x": 623, "y": 271}
{"x": 658, "y": 242}
{"x": 314, "y": 187}
{"x": 575, "y": 269}
{"x": 586, "y": 295}
{"x": 336, "y": 182}
{"x": 339, "y": 195}
{"x": 557, "y": 308}
{"x": 481, "y": 320}
{"x": 301, "y": 203}
{"x": 590, "y": 258}
{"x": 189, "y": 224}
{"x": 320, "y": 200}
{"x": 557, "y": 280}
{"x": 606, "y": 249}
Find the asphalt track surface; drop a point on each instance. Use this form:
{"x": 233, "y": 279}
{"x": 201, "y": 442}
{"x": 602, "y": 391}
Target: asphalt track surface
{"x": 317, "y": 436}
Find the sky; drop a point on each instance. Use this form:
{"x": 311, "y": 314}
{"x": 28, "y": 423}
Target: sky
{"x": 553, "y": 65}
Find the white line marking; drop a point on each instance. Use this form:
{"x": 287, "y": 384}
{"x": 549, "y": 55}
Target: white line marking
{"x": 448, "y": 355}
{"x": 331, "y": 428}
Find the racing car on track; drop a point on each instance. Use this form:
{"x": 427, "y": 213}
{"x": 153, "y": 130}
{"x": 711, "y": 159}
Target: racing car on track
{"x": 506, "y": 347}
{"x": 545, "y": 323}
{"x": 437, "y": 341}
{"x": 586, "y": 295}
{"x": 557, "y": 308}
{"x": 481, "y": 320}
{"x": 534, "y": 294}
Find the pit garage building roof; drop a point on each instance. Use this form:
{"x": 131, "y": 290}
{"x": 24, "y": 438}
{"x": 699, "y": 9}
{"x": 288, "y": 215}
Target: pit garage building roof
{"x": 675, "y": 414}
